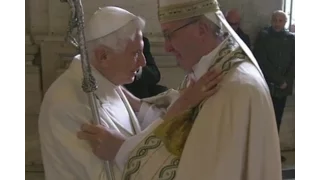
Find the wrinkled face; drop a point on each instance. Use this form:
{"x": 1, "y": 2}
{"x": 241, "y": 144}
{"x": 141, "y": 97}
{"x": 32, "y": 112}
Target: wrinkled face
{"x": 278, "y": 21}
{"x": 234, "y": 21}
{"x": 183, "y": 39}
{"x": 121, "y": 67}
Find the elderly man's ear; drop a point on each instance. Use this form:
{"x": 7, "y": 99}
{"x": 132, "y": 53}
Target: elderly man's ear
{"x": 102, "y": 53}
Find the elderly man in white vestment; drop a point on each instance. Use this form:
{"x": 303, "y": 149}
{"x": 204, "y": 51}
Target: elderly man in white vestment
{"x": 115, "y": 49}
{"x": 114, "y": 43}
{"x": 230, "y": 136}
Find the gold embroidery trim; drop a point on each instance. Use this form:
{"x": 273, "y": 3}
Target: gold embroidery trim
{"x": 186, "y": 10}
{"x": 174, "y": 132}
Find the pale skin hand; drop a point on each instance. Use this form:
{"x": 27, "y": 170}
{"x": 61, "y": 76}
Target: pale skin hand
{"x": 136, "y": 102}
{"x": 205, "y": 87}
{"x": 106, "y": 143}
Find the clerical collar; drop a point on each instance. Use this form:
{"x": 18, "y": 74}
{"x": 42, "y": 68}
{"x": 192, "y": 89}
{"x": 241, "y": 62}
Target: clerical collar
{"x": 104, "y": 85}
{"x": 203, "y": 65}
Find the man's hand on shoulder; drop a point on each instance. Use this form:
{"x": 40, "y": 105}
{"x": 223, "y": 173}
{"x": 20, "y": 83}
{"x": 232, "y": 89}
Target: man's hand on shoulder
{"x": 205, "y": 87}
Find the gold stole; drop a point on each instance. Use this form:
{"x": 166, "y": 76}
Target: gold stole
{"x": 174, "y": 132}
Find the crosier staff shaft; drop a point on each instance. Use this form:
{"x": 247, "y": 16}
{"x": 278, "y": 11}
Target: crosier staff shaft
{"x": 89, "y": 84}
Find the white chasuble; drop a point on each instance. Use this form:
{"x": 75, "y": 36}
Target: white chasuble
{"x": 231, "y": 131}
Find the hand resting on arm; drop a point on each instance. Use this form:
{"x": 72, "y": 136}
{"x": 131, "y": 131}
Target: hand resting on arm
{"x": 106, "y": 143}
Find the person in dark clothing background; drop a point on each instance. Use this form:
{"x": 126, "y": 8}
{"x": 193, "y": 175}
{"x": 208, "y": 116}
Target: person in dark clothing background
{"x": 146, "y": 81}
{"x": 275, "y": 52}
{"x": 233, "y": 17}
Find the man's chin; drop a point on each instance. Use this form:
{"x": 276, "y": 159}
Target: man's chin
{"x": 130, "y": 80}
{"x": 277, "y": 29}
{"x": 184, "y": 68}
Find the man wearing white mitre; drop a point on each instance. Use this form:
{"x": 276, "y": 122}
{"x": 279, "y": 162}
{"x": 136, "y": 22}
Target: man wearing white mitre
{"x": 230, "y": 136}
{"x": 114, "y": 42}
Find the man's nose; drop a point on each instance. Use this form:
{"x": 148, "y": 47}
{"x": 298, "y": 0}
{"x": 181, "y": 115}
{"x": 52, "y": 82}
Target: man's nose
{"x": 141, "y": 60}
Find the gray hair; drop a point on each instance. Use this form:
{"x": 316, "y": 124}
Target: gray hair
{"x": 118, "y": 39}
{"x": 279, "y": 12}
{"x": 216, "y": 30}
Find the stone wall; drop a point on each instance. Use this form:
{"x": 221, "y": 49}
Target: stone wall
{"x": 33, "y": 94}
{"x": 50, "y": 17}
{"x": 47, "y": 55}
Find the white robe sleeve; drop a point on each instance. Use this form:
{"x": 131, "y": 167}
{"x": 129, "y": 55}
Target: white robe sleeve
{"x": 66, "y": 149}
{"x": 233, "y": 138}
{"x": 148, "y": 114}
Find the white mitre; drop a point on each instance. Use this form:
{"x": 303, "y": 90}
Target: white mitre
{"x": 105, "y": 21}
{"x": 173, "y": 10}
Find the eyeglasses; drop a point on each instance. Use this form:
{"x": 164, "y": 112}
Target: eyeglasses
{"x": 168, "y": 35}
